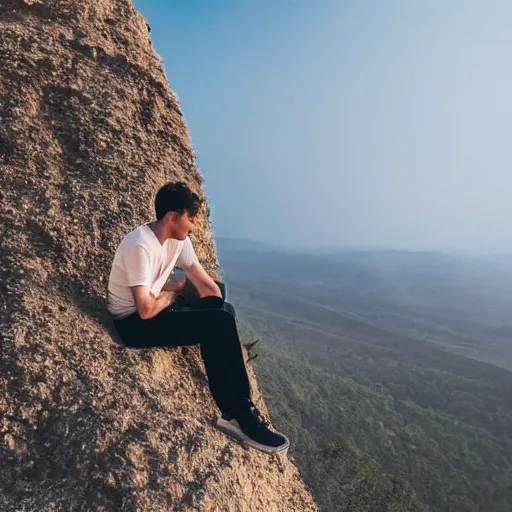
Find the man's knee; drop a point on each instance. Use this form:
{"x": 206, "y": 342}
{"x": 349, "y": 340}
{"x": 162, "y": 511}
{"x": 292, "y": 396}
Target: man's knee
{"x": 229, "y": 308}
{"x": 222, "y": 287}
{"x": 224, "y": 317}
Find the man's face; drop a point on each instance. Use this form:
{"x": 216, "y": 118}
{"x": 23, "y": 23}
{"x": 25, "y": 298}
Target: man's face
{"x": 182, "y": 224}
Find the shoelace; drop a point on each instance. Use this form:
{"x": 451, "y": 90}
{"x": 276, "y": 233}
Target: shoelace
{"x": 257, "y": 414}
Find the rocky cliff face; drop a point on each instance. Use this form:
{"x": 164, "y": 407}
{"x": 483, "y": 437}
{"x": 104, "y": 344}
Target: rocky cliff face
{"x": 89, "y": 129}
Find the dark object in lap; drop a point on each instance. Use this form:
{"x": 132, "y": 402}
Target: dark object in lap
{"x": 189, "y": 294}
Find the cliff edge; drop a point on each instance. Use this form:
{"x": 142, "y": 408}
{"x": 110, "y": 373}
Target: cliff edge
{"x": 89, "y": 130}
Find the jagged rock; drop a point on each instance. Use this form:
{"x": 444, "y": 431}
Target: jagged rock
{"x": 89, "y": 129}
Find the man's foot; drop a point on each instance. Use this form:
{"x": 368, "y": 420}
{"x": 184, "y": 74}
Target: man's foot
{"x": 251, "y": 429}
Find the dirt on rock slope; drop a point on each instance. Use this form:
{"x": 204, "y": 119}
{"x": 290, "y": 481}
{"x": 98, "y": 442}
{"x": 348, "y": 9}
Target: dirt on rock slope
{"x": 89, "y": 130}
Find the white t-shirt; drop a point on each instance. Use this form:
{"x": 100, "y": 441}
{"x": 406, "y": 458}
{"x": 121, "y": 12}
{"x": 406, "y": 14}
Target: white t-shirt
{"x": 141, "y": 259}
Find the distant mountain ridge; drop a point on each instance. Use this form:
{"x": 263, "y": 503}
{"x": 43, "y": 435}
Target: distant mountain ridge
{"x": 431, "y": 295}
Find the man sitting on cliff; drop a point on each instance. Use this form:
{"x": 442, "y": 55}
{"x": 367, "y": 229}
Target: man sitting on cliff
{"x": 142, "y": 300}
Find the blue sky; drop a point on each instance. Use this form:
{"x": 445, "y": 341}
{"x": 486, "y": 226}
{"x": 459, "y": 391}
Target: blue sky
{"x": 362, "y": 123}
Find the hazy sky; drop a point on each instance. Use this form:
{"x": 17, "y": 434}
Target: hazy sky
{"x": 347, "y": 123}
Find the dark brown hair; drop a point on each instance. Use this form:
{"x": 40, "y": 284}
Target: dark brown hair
{"x": 176, "y": 197}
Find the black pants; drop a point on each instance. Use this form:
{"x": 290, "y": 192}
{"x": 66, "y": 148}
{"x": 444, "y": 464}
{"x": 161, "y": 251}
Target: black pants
{"x": 209, "y": 322}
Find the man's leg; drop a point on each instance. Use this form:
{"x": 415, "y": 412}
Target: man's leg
{"x": 215, "y": 330}
{"x": 189, "y": 294}
{"x": 210, "y": 323}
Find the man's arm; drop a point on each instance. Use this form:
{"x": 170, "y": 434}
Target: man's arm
{"x": 148, "y": 304}
{"x": 204, "y": 284}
